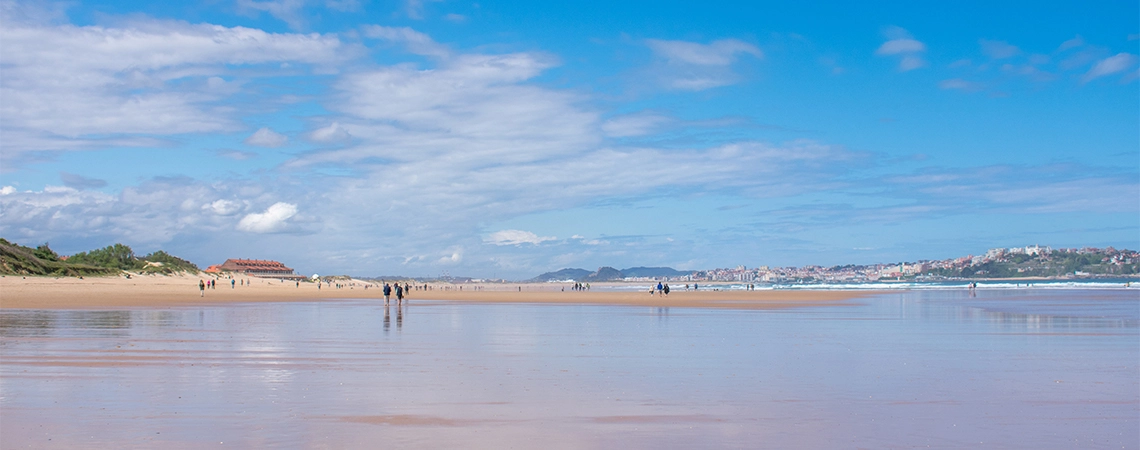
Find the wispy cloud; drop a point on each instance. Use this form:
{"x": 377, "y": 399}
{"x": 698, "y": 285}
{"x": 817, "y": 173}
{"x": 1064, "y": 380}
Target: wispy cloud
{"x": 74, "y": 181}
{"x": 716, "y": 53}
{"x": 516, "y": 237}
{"x": 288, "y": 11}
{"x": 1113, "y": 64}
{"x": 415, "y": 41}
{"x": 695, "y": 66}
{"x": 140, "y": 81}
{"x": 415, "y": 8}
{"x": 901, "y": 44}
{"x": 634, "y": 124}
{"x": 264, "y": 137}
{"x": 332, "y": 133}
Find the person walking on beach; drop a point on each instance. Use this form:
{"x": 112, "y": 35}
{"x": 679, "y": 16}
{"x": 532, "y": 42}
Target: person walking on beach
{"x": 399, "y": 294}
{"x": 660, "y": 289}
{"x": 233, "y": 283}
{"x": 202, "y": 288}
{"x": 666, "y": 289}
{"x": 387, "y": 292}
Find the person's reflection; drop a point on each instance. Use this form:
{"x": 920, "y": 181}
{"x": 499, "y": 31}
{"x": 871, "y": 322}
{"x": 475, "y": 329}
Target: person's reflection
{"x": 387, "y": 318}
{"x": 662, "y": 313}
{"x": 399, "y": 317}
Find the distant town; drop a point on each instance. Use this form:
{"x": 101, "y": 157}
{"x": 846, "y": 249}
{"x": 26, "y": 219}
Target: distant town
{"x": 1031, "y": 261}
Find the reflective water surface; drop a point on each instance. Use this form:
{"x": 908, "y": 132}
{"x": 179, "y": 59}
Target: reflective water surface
{"x": 1004, "y": 369}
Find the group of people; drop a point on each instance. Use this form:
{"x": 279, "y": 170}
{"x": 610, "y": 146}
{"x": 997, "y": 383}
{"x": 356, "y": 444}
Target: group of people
{"x": 400, "y": 290}
{"x": 213, "y": 284}
{"x": 662, "y": 289}
{"x": 581, "y": 286}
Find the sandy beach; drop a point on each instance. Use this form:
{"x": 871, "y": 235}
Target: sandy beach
{"x": 143, "y": 291}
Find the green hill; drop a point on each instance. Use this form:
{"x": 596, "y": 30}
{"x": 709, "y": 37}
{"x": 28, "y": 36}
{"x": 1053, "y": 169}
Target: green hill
{"x": 17, "y": 259}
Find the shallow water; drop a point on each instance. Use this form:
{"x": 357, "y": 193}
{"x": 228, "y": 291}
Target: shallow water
{"x": 1024, "y": 369}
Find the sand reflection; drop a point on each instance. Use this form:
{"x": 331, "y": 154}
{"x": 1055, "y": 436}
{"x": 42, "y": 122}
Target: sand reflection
{"x": 901, "y": 370}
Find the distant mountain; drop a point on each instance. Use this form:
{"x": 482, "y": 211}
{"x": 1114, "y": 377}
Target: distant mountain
{"x": 605, "y": 274}
{"x": 564, "y": 274}
{"x": 653, "y": 272}
{"x": 609, "y": 274}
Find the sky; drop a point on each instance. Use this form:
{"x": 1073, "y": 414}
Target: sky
{"x": 507, "y": 139}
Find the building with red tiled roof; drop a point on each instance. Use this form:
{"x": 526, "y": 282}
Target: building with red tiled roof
{"x": 257, "y": 267}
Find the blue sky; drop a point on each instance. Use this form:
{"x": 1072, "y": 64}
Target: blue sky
{"x": 506, "y": 139}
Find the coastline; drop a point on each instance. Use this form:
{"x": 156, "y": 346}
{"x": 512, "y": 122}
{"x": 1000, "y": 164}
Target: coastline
{"x": 158, "y": 291}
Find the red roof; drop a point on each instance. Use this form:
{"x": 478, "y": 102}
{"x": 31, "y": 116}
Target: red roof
{"x": 254, "y": 265}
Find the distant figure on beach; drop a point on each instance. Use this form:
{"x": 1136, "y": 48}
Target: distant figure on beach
{"x": 666, "y": 290}
{"x": 660, "y": 289}
{"x": 202, "y": 288}
{"x": 387, "y": 292}
{"x": 298, "y": 284}
{"x": 233, "y": 283}
{"x": 695, "y": 286}
{"x": 399, "y": 293}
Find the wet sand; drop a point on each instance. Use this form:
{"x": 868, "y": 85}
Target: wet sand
{"x": 168, "y": 291}
{"x": 1005, "y": 369}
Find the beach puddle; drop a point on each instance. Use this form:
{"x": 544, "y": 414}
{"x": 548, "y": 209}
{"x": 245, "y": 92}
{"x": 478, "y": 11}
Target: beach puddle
{"x": 1023, "y": 369}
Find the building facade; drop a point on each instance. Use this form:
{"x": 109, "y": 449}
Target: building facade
{"x": 257, "y": 268}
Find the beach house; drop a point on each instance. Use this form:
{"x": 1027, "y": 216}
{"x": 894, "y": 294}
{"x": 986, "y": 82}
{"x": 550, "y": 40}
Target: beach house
{"x": 258, "y": 268}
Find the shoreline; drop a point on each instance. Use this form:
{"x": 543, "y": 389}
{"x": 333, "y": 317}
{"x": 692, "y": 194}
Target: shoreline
{"x": 160, "y": 291}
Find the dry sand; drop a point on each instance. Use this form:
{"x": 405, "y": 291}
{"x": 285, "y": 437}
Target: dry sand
{"x": 167, "y": 291}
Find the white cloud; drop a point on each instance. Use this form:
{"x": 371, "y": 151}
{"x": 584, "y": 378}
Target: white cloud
{"x": 634, "y": 125}
{"x": 237, "y": 155}
{"x": 900, "y": 46}
{"x": 288, "y": 11}
{"x": 455, "y": 257}
{"x": 265, "y": 137}
{"x": 717, "y": 53}
{"x": 67, "y": 87}
{"x": 332, "y": 133}
{"x": 693, "y": 66}
{"x": 516, "y": 237}
{"x": 1113, "y": 64}
{"x": 900, "y": 43}
{"x": 223, "y": 207}
{"x": 415, "y": 8}
{"x": 416, "y": 42}
{"x": 1075, "y": 42}
{"x": 7, "y": 190}
{"x": 911, "y": 62}
{"x": 273, "y": 219}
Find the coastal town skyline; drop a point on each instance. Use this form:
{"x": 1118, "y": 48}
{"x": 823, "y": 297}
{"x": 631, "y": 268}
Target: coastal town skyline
{"x": 1030, "y": 261}
{"x": 501, "y": 139}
